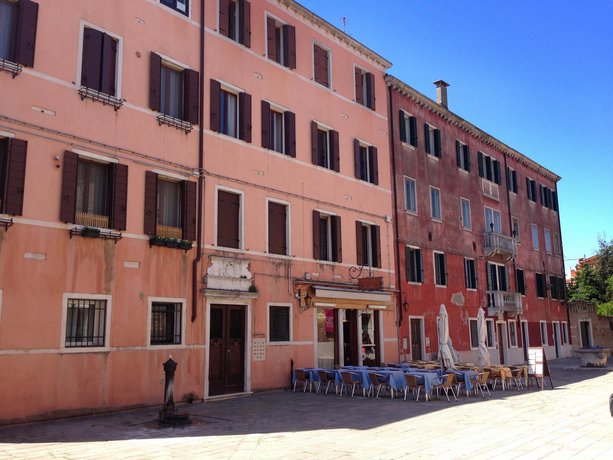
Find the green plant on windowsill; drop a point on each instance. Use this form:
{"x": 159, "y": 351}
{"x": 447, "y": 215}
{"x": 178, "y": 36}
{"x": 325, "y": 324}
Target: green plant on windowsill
{"x": 157, "y": 241}
{"x": 172, "y": 243}
{"x": 90, "y": 232}
{"x": 185, "y": 244}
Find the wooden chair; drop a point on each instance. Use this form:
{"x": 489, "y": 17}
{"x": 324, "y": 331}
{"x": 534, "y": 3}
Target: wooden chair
{"x": 412, "y": 386}
{"x": 349, "y": 379}
{"x": 481, "y": 383}
{"x": 327, "y": 378}
{"x": 447, "y": 385}
{"x": 517, "y": 374}
{"x": 376, "y": 381}
{"x": 303, "y": 376}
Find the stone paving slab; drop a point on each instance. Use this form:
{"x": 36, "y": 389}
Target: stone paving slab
{"x": 571, "y": 421}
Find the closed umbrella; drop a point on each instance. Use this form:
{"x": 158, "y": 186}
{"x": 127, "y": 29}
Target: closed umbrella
{"x": 484, "y": 354}
{"x": 444, "y": 352}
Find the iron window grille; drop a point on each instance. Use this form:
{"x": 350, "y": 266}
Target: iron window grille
{"x": 85, "y": 323}
{"x": 165, "y": 323}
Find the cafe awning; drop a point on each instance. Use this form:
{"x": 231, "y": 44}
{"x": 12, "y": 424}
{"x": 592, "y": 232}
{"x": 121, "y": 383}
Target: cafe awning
{"x": 325, "y": 296}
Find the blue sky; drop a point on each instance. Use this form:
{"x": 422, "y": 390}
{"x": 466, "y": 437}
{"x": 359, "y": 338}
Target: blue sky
{"x": 537, "y": 75}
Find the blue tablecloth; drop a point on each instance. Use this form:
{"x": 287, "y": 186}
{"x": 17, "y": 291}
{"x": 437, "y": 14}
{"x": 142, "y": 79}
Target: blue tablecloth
{"x": 465, "y": 376}
{"x": 394, "y": 378}
{"x": 427, "y": 379}
{"x": 361, "y": 372}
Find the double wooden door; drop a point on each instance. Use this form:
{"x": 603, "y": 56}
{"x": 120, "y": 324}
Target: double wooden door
{"x": 227, "y": 349}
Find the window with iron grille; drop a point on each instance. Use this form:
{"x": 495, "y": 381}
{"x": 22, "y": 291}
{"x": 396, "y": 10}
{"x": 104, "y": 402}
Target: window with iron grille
{"x": 165, "y": 323}
{"x": 86, "y": 323}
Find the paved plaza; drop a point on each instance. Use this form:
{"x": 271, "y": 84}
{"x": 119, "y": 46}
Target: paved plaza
{"x": 571, "y": 421}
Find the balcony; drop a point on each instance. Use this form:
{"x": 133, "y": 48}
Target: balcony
{"x": 496, "y": 243}
{"x": 501, "y": 301}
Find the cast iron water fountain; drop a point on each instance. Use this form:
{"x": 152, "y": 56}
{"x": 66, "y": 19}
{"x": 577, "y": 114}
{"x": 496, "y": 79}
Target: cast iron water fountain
{"x": 168, "y": 413}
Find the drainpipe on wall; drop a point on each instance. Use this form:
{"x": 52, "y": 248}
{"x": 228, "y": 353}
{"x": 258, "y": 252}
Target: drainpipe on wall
{"x": 200, "y": 198}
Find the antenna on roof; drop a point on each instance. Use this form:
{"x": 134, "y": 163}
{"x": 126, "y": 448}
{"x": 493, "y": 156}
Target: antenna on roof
{"x": 345, "y": 24}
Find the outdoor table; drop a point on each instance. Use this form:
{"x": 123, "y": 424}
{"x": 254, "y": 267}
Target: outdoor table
{"x": 428, "y": 379}
{"x": 464, "y": 375}
{"x": 361, "y": 372}
{"x": 500, "y": 372}
{"x": 394, "y": 378}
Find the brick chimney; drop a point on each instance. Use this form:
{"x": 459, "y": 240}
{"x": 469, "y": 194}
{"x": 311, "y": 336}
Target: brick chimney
{"x": 441, "y": 92}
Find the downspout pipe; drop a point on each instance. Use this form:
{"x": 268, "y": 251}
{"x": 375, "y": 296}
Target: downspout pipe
{"x": 200, "y": 187}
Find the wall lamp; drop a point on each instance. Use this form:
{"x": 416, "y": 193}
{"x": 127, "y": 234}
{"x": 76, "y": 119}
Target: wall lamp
{"x": 304, "y": 302}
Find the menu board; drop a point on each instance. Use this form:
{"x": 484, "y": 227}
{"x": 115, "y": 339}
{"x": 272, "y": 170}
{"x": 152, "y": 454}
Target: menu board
{"x": 537, "y": 366}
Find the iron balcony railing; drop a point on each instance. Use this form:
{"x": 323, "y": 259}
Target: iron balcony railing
{"x": 502, "y": 301}
{"x": 496, "y": 243}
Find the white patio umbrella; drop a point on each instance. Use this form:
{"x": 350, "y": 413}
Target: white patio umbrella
{"x": 444, "y": 352}
{"x": 484, "y": 354}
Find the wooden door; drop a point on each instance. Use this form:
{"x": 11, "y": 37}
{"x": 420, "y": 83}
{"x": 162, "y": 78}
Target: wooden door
{"x": 416, "y": 353}
{"x": 350, "y": 338}
{"x": 226, "y": 349}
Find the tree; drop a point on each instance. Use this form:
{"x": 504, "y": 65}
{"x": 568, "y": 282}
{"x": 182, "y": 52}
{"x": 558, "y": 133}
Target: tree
{"x": 595, "y": 284}
{"x": 586, "y": 286}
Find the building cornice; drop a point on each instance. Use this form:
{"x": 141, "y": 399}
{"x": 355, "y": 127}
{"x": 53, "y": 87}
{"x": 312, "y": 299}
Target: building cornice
{"x": 341, "y": 36}
{"x": 455, "y": 120}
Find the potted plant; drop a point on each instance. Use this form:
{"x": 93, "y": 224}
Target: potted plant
{"x": 171, "y": 243}
{"x": 90, "y": 232}
{"x": 156, "y": 241}
{"x": 185, "y": 244}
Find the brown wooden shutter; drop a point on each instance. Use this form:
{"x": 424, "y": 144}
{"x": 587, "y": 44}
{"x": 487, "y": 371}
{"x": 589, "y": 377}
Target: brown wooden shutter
{"x": 244, "y": 20}
{"x": 359, "y": 248}
{"x": 359, "y": 90}
{"x": 215, "y": 101}
{"x": 289, "y": 46}
{"x": 375, "y": 235}
{"x": 119, "y": 174}
{"x": 151, "y": 203}
{"x": 26, "y": 33}
{"x": 289, "y": 124}
{"x": 277, "y": 228}
{"x": 92, "y": 58}
{"x": 402, "y": 128}
{"x": 335, "y": 159}
{"x": 370, "y": 90}
{"x": 189, "y": 210}
{"x": 427, "y": 138}
{"x": 374, "y": 165}
{"x": 317, "y": 63}
{"x": 191, "y": 103}
{"x": 356, "y": 159}
{"x": 271, "y": 38}
{"x": 337, "y": 242}
{"x": 316, "y": 236}
{"x": 109, "y": 65}
{"x": 228, "y": 209}
{"x": 265, "y": 125}
{"x": 413, "y": 125}
{"x": 224, "y": 17}
{"x": 69, "y": 187}
{"x": 155, "y": 81}
{"x": 244, "y": 101}
{"x": 437, "y": 143}
{"x": 314, "y": 143}
{"x": 15, "y": 178}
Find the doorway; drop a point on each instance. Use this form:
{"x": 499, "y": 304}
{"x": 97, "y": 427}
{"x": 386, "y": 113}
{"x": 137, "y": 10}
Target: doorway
{"x": 556, "y": 338}
{"x": 502, "y": 342}
{"x": 586, "y": 334}
{"x": 226, "y": 349}
{"x": 416, "y": 339}
{"x": 525, "y": 339}
{"x": 350, "y": 338}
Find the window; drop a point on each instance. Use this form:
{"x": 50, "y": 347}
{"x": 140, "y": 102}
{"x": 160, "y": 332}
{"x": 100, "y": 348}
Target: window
{"x": 414, "y": 265}
{"x": 513, "y": 334}
{"x": 410, "y": 198}
{"x": 435, "y": 203}
{"x": 492, "y": 221}
{"x": 462, "y": 156}
{"x": 100, "y": 62}
{"x": 368, "y": 244}
{"x": 166, "y": 323}
{"x": 497, "y": 279}
{"x": 229, "y": 219}
{"x": 13, "y": 154}
{"x": 281, "y": 42}
{"x": 470, "y": 274}
{"x": 18, "y": 32}
{"x": 440, "y": 269}
{"x": 278, "y": 230}
{"x": 491, "y": 333}
{"x": 432, "y": 138}
{"x": 553, "y": 287}
{"x": 321, "y": 65}
{"x": 520, "y": 281}
{"x": 324, "y": 147}
{"x": 86, "y": 322}
{"x": 365, "y": 88}
{"x": 235, "y": 20}
{"x": 547, "y": 233}
{"x": 512, "y": 180}
{"x": 558, "y": 287}
{"x": 94, "y": 192}
{"x": 279, "y": 324}
{"x": 408, "y": 128}
{"x": 557, "y": 246}
{"x": 543, "y": 332}
{"x": 489, "y": 168}
{"x": 278, "y": 129}
{"x": 541, "y": 285}
{"x": 548, "y": 197}
{"x": 564, "y": 332}
{"x": 535, "y": 236}
{"x": 366, "y": 163}
{"x": 327, "y": 237}
{"x": 531, "y": 189}
{"x": 474, "y": 333}
{"x": 466, "y": 220}
{"x": 515, "y": 224}
{"x": 173, "y": 91}
{"x": 170, "y": 207}
{"x": 230, "y": 111}
{"x": 182, "y": 6}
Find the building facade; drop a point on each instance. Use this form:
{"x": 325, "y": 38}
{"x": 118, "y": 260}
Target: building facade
{"x": 478, "y": 226}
